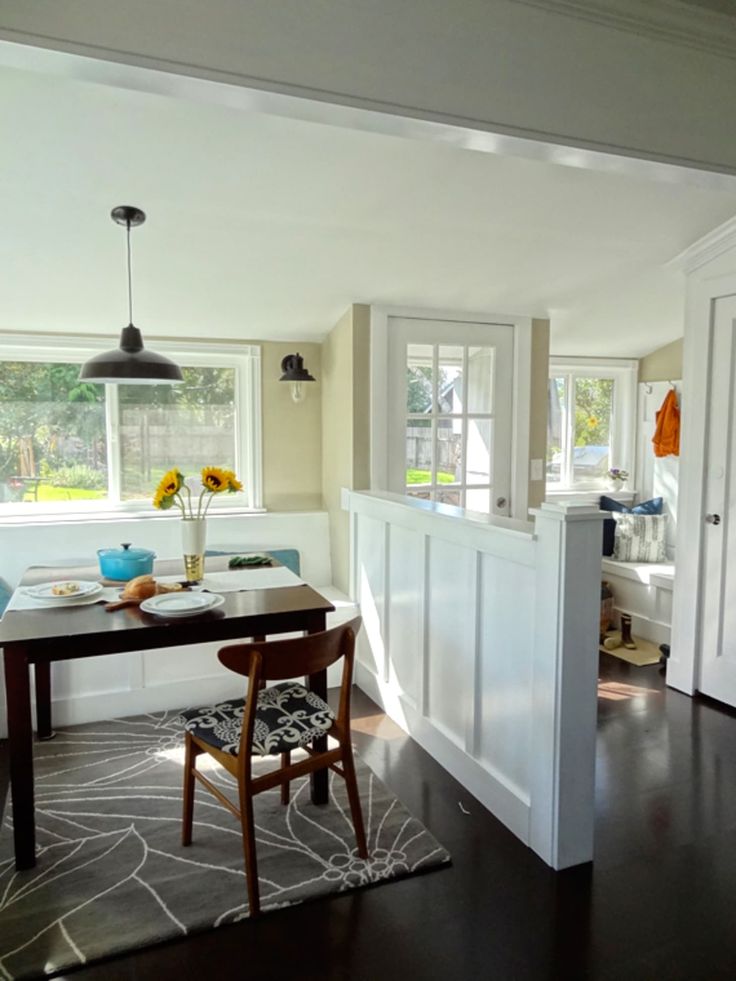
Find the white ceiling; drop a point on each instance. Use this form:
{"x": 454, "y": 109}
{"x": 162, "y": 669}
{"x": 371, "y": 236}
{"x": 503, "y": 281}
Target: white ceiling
{"x": 267, "y": 228}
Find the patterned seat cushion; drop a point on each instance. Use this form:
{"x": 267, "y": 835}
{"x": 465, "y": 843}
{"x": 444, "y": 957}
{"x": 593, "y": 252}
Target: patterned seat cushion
{"x": 287, "y": 716}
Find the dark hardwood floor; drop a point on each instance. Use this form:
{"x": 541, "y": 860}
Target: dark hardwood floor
{"x": 658, "y": 903}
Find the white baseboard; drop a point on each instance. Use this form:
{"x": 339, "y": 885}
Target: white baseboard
{"x": 504, "y": 802}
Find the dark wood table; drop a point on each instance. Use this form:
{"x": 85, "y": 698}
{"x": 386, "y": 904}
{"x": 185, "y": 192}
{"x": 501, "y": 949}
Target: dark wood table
{"x": 44, "y": 635}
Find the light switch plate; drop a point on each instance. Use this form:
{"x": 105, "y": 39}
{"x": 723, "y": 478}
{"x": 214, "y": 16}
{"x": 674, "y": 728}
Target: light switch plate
{"x": 537, "y": 471}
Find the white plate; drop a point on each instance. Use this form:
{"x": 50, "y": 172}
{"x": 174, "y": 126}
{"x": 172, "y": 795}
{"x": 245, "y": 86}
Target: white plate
{"x": 181, "y": 604}
{"x": 44, "y": 591}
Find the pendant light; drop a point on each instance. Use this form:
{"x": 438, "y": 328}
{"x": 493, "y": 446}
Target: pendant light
{"x": 131, "y": 363}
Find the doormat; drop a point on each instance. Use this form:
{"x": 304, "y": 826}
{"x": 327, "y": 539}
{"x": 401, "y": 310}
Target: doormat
{"x": 646, "y": 652}
{"x": 111, "y": 872}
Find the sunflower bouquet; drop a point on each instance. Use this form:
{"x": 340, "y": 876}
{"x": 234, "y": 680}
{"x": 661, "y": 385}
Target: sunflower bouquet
{"x": 173, "y": 487}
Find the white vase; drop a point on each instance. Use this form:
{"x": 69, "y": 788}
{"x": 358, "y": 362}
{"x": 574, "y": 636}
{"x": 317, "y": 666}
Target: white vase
{"x": 193, "y": 539}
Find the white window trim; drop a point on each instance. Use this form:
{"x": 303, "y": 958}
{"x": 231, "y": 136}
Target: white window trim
{"x": 247, "y": 357}
{"x": 625, "y": 374}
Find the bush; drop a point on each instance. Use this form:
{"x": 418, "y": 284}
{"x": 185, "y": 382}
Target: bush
{"x": 79, "y": 475}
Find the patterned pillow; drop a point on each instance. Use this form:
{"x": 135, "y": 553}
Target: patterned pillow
{"x": 640, "y": 537}
{"x": 609, "y": 525}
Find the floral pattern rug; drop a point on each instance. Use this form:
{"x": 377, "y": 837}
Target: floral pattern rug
{"x": 112, "y": 874}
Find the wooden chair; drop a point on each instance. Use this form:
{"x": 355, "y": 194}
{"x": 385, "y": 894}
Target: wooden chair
{"x": 234, "y": 732}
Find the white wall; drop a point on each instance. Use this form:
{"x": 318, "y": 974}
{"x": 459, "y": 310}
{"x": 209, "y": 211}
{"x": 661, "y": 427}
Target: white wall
{"x": 612, "y": 78}
{"x": 657, "y": 476}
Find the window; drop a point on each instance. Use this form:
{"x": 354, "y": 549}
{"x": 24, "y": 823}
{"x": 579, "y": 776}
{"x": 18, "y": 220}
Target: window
{"x": 590, "y": 421}
{"x": 449, "y": 424}
{"x": 70, "y": 445}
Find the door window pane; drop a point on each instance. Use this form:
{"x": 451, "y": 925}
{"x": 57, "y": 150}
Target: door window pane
{"x": 419, "y": 378}
{"x": 480, "y": 380}
{"x": 450, "y": 379}
{"x": 450, "y": 497}
{"x": 478, "y": 499}
{"x": 479, "y": 452}
{"x": 449, "y": 451}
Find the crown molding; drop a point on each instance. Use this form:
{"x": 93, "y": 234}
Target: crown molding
{"x": 707, "y": 248}
{"x": 664, "y": 20}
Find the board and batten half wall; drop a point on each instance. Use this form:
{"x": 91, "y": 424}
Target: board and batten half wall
{"x": 480, "y": 638}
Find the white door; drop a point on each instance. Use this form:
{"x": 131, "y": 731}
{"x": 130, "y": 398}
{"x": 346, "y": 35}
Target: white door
{"x": 450, "y": 406}
{"x": 718, "y": 580}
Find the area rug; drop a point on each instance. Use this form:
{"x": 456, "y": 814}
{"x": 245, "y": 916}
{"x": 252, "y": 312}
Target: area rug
{"x": 111, "y": 872}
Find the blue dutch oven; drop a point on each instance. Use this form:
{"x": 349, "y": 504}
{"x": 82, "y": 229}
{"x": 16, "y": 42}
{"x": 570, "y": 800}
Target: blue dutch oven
{"x": 125, "y": 563}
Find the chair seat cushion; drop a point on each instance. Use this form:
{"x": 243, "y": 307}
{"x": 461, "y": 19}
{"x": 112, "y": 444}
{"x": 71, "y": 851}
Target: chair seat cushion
{"x": 287, "y": 716}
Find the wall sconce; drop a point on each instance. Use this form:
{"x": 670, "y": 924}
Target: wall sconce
{"x": 295, "y": 372}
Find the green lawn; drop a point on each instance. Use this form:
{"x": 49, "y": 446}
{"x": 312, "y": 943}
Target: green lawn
{"x": 424, "y": 477}
{"x": 48, "y": 493}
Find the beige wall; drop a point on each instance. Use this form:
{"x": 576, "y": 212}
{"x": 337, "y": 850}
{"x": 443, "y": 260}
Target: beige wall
{"x": 292, "y": 433}
{"x": 345, "y": 427}
{"x": 664, "y": 364}
{"x": 538, "y": 406}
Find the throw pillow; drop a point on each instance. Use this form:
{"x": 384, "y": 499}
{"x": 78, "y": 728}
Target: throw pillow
{"x": 609, "y": 525}
{"x": 640, "y": 537}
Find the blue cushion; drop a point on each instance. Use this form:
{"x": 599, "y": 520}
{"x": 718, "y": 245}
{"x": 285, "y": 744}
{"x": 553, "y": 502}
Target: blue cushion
{"x": 609, "y": 524}
{"x": 286, "y": 556}
{"x": 5, "y": 593}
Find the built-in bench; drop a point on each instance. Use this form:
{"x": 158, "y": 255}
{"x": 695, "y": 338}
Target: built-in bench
{"x": 643, "y": 589}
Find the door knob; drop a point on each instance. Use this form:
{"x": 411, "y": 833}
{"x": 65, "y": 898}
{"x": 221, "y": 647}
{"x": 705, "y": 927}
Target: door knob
{"x": 713, "y": 519}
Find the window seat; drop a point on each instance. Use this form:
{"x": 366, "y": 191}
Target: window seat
{"x": 643, "y": 589}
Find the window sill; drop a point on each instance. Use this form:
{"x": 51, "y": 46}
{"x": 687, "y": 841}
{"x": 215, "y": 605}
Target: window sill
{"x": 591, "y": 496}
{"x": 75, "y": 517}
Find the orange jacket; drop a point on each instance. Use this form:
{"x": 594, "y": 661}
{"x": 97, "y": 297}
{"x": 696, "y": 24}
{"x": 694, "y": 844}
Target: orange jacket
{"x": 666, "y": 437}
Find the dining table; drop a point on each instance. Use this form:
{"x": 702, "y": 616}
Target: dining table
{"x": 41, "y": 636}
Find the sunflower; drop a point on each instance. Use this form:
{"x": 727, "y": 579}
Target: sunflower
{"x": 233, "y": 484}
{"x": 216, "y": 480}
{"x": 167, "y": 490}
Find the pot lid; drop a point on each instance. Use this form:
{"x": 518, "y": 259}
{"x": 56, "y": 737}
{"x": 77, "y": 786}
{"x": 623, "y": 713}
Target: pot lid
{"x": 125, "y": 551}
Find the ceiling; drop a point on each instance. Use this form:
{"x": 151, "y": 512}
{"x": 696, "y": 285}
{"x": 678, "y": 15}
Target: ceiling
{"x": 265, "y": 227}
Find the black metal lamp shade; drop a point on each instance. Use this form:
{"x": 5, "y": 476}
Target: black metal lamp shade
{"x": 293, "y": 369}
{"x": 295, "y": 372}
{"x": 131, "y": 364}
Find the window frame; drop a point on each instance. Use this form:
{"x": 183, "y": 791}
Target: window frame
{"x": 624, "y": 375}
{"x": 245, "y": 358}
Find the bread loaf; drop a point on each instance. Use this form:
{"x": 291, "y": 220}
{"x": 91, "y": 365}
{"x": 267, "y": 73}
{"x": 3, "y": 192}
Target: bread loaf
{"x": 139, "y": 588}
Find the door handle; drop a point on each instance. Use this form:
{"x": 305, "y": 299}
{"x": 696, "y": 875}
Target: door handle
{"x": 713, "y": 519}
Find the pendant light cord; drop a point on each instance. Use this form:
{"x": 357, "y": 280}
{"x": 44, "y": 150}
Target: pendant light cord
{"x": 130, "y": 282}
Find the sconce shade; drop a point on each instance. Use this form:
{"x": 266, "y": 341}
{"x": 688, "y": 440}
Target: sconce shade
{"x": 293, "y": 369}
{"x": 130, "y": 363}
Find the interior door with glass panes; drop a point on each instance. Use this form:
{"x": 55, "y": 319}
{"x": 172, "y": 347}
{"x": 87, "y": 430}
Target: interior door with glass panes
{"x": 450, "y": 409}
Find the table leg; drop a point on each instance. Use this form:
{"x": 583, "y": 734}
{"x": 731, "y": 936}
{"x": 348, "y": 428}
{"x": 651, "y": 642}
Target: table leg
{"x": 318, "y": 684}
{"x": 42, "y": 670}
{"x": 20, "y": 742}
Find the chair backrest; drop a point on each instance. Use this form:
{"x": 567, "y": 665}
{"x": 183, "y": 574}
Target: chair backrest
{"x": 281, "y": 659}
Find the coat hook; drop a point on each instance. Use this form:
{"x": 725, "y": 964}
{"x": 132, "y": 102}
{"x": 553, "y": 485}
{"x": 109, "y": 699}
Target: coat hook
{"x": 648, "y": 388}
